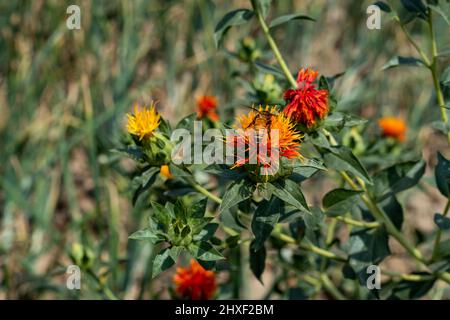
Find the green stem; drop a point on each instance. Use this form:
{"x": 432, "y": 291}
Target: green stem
{"x": 204, "y": 191}
{"x": 413, "y": 42}
{"x": 434, "y": 75}
{"x": 309, "y": 247}
{"x": 357, "y": 223}
{"x": 102, "y": 286}
{"x": 330, "y": 287}
{"x": 408, "y": 277}
{"x": 273, "y": 45}
{"x": 439, "y": 234}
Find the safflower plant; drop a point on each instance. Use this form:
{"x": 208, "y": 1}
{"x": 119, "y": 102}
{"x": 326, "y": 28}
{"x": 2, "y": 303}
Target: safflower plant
{"x": 223, "y": 217}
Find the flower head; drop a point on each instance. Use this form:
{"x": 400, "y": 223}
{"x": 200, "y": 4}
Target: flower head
{"x": 393, "y": 127}
{"x": 306, "y": 104}
{"x": 143, "y": 122}
{"x": 268, "y": 130}
{"x": 195, "y": 282}
{"x": 206, "y": 108}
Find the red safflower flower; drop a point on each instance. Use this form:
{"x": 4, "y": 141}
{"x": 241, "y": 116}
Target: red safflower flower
{"x": 195, "y": 283}
{"x": 206, "y": 107}
{"x": 306, "y": 103}
{"x": 393, "y": 127}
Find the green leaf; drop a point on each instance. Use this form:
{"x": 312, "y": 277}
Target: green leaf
{"x": 338, "y": 120}
{"x": 187, "y": 122}
{"x": 235, "y": 194}
{"x": 342, "y": 158}
{"x": 257, "y": 261}
{"x": 224, "y": 172}
{"x": 265, "y": 218}
{"x": 407, "y": 290}
{"x": 161, "y": 214}
{"x": 204, "y": 251}
{"x": 146, "y": 234}
{"x": 397, "y": 178}
{"x": 233, "y": 18}
{"x": 290, "y": 192}
{"x": 133, "y": 152}
{"x": 302, "y": 170}
{"x": 383, "y": 6}
{"x": 339, "y": 201}
{"x": 403, "y": 61}
{"x": 197, "y": 210}
{"x": 367, "y": 247}
{"x": 444, "y": 52}
{"x": 440, "y": 126}
{"x": 265, "y": 6}
{"x": 319, "y": 140}
{"x": 164, "y": 127}
{"x": 289, "y": 17}
{"x": 442, "y": 222}
{"x": 445, "y": 77}
{"x": 394, "y": 210}
{"x": 144, "y": 182}
{"x": 207, "y": 232}
{"x": 442, "y": 175}
{"x": 310, "y": 163}
{"x": 162, "y": 262}
{"x": 417, "y": 7}
{"x": 174, "y": 252}
{"x": 269, "y": 69}
{"x": 441, "y": 12}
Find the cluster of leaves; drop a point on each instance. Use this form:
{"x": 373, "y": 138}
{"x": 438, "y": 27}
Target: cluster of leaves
{"x": 180, "y": 228}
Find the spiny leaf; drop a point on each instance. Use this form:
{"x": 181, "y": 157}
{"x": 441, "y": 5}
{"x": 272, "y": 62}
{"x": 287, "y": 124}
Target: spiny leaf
{"x": 289, "y": 17}
{"x": 257, "y": 261}
{"x": 403, "y": 61}
{"x": 233, "y": 18}
{"x": 235, "y": 194}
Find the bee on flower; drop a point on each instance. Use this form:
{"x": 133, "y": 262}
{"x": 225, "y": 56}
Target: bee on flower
{"x": 266, "y": 135}
{"x": 194, "y": 282}
{"x": 206, "y": 108}
{"x": 307, "y": 105}
{"x": 393, "y": 127}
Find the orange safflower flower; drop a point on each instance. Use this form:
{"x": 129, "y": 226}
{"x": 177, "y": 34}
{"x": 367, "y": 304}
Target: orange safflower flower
{"x": 206, "y": 108}
{"x": 195, "y": 283}
{"x": 142, "y": 123}
{"x": 306, "y": 104}
{"x": 267, "y": 119}
{"x": 393, "y": 127}
{"x": 165, "y": 172}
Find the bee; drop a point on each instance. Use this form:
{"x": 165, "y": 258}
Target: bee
{"x": 261, "y": 115}
{"x": 264, "y": 118}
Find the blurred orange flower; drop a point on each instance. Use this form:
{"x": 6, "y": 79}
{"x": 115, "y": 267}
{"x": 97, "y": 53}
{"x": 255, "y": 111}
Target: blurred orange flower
{"x": 306, "y": 103}
{"x": 165, "y": 172}
{"x": 206, "y": 108}
{"x": 195, "y": 283}
{"x": 393, "y": 127}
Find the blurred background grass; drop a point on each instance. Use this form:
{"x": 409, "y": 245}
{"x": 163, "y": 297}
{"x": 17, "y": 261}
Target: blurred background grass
{"x": 63, "y": 95}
